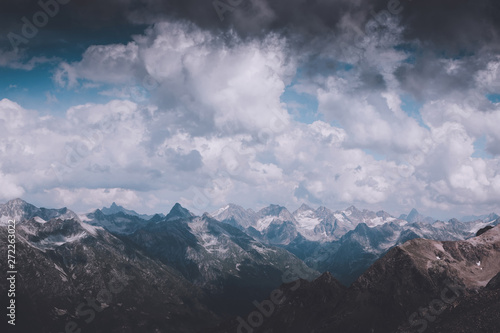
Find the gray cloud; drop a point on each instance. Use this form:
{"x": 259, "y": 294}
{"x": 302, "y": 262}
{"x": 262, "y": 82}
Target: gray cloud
{"x": 451, "y": 26}
{"x": 184, "y": 162}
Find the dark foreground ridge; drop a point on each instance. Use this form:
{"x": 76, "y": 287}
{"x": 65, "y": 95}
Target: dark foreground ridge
{"x": 422, "y": 285}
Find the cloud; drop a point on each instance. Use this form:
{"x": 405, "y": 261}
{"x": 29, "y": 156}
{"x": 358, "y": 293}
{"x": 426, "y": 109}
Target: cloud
{"x": 202, "y": 83}
{"x": 19, "y": 60}
{"x": 108, "y": 153}
{"x": 475, "y": 113}
{"x": 184, "y": 161}
{"x": 51, "y": 99}
{"x": 372, "y": 120}
{"x": 104, "y": 63}
{"x": 449, "y": 26}
{"x": 93, "y": 197}
{"x": 201, "y": 119}
{"x": 9, "y": 188}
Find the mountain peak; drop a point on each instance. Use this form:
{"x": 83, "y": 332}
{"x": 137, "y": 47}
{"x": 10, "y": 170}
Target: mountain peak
{"x": 235, "y": 215}
{"x": 415, "y": 216}
{"x": 17, "y": 207}
{"x": 383, "y": 213}
{"x": 303, "y": 208}
{"x": 232, "y": 207}
{"x": 16, "y": 202}
{"x": 326, "y": 276}
{"x": 275, "y": 210}
{"x": 228, "y": 210}
{"x": 351, "y": 210}
{"x": 114, "y": 209}
{"x": 322, "y": 210}
{"x": 178, "y": 212}
{"x": 19, "y": 210}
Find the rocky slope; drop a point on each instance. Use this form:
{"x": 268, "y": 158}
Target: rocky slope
{"x": 449, "y": 286}
{"x": 69, "y": 271}
{"x": 179, "y": 267}
{"x": 218, "y": 257}
{"x": 293, "y": 307}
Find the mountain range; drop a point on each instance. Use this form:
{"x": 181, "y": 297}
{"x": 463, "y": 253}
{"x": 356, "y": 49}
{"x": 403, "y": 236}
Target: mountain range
{"x": 185, "y": 273}
{"x": 345, "y": 242}
{"x": 184, "y": 269}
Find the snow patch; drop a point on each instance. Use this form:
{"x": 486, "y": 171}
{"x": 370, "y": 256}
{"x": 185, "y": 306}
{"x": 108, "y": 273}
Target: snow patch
{"x": 90, "y": 228}
{"x": 4, "y": 219}
{"x": 402, "y": 222}
{"x": 60, "y": 240}
{"x": 220, "y": 211}
{"x": 262, "y": 250}
{"x": 306, "y": 221}
{"x": 264, "y": 222}
{"x": 28, "y": 230}
{"x": 375, "y": 222}
{"x": 60, "y": 312}
{"x": 197, "y": 226}
{"x": 338, "y": 216}
{"x": 84, "y": 218}
{"x": 39, "y": 220}
{"x": 62, "y": 274}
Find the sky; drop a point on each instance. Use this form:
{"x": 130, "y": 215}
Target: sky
{"x": 385, "y": 105}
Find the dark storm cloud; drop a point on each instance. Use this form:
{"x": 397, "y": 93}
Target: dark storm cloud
{"x": 450, "y": 29}
{"x": 62, "y": 28}
{"x": 373, "y": 80}
{"x": 429, "y": 77}
{"x": 449, "y": 26}
{"x": 452, "y": 26}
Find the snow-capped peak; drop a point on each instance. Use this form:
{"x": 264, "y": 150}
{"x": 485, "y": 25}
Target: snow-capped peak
{"x": 20, "y": 211}
{"x": 220, "y": 211}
